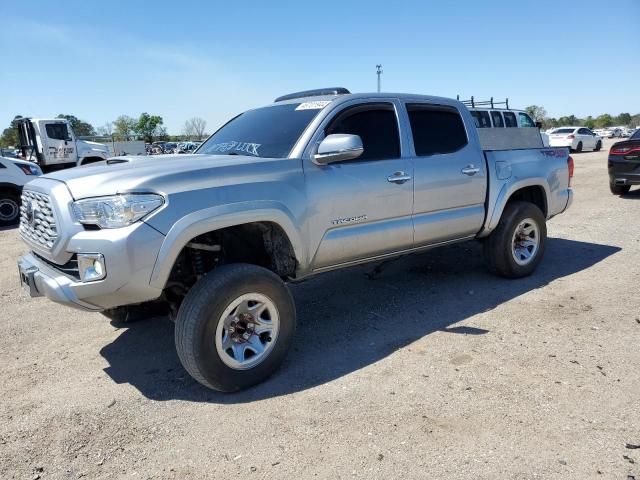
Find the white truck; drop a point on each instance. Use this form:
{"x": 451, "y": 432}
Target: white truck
{"x": 52, "y": 144}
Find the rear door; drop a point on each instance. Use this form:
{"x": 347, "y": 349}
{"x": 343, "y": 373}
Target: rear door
{"x": 587, "y": 138}
{"x": 58, "y": 144}
{"x": 450, "y": 176}
{"x": 361, "y": 208}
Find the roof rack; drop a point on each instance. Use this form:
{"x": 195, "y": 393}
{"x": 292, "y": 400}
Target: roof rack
{"x": 483, "y": 103}
{"x": 314, "y": 93}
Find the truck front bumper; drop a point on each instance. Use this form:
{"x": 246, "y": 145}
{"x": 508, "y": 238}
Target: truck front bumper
{"x": 129, "y": 257}
{"x": 40, "y": 280}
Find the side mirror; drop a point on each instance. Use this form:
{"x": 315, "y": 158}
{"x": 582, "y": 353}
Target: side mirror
{"x": 338, "y": 147}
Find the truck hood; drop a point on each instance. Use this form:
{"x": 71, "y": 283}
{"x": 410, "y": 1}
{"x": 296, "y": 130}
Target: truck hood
{"x": 167, "y": 174}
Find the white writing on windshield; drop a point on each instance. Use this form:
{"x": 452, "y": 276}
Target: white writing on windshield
{"x": 246, "y": 147}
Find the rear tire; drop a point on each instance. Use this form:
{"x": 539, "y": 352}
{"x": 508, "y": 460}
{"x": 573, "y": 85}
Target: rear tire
{"x": 516, "y": 247}
{"x": 225, "y": 339}
{"x": 9, "y": 208}
{"x": 619, "y": 189}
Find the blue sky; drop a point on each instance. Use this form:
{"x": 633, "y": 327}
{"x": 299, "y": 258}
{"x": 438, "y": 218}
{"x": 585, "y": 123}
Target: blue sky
{"x": 215, "y": 59}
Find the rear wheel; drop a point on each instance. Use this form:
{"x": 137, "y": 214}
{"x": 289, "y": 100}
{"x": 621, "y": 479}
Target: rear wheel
{"x": 619, "y": 189}
{"x": 9, "y": 208}
{"x": 235, "y": 326}
{"x": 514, "y": 249}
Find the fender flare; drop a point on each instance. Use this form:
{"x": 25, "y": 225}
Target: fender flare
{"x": 219, "y": 217}
{"x": 506, "y": 192}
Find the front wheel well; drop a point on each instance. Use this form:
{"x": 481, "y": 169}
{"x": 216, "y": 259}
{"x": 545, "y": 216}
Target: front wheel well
{"x": 533, "y": 194}
{"x": 259, "y": 243}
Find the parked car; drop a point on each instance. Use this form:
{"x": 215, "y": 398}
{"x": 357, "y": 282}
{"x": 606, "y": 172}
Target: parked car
{"x": 612, "y": 132}
{"x": 576, "y": 139}
{"x": 624, "y": 164}
{"x": 14, "y": 174}
{"x": 316, "y": 181}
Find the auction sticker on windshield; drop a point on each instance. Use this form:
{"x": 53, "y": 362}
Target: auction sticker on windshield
{"x": 317, "y": 105}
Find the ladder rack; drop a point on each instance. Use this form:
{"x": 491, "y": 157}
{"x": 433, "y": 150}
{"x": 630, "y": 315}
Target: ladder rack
{"x": 473, "y": 103}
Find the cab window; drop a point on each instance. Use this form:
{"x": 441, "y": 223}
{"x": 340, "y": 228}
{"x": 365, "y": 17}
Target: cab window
{"x": 481, "y": 119}
{"x": 510, "y": 119}
{"x": 377, "y": 126}
{"x": 436, "y": 129}
{"x": 497, "y": 119}
{"x": 57, "y": 131}
{"x": 525, "y": 120}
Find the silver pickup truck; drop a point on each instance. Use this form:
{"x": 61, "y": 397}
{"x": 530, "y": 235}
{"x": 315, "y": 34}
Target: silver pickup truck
{"x": 314, "y": 182}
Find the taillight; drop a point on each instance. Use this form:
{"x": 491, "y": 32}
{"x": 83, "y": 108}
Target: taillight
{"x": 570, "y": 167}
{"x": 623, "y": 150}
{"x": 571, "y": 137}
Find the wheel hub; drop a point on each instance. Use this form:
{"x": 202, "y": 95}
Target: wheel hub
{"x": 525, "y": 242}
{"x": 247, "y": 331}
{"x": 242, "y": 329}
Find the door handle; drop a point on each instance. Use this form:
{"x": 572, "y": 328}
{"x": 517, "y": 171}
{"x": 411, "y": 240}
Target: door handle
{"x": 399, "y": 178}
{"x": 470, "y": 170}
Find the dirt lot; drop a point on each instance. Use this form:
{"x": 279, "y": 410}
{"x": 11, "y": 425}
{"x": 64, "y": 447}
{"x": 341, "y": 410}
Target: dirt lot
{"x": 435, "y": 369}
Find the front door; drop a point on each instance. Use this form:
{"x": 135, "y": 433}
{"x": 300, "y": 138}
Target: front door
{"x": 58, "y": 144}
{"x": 361, "y": 208}
{"x": 449, "y": 173}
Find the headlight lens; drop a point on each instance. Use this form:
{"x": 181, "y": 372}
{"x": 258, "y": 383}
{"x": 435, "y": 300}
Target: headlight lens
{"x": 116, "y": 211}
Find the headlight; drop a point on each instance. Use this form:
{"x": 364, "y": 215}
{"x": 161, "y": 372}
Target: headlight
{"x": 116, "y": 211}
{"x": 29, "y": 169}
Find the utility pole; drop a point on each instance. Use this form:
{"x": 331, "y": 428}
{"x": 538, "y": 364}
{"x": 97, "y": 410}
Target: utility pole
{"x": 379, "y": 72}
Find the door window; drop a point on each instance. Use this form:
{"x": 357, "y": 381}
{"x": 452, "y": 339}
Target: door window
{"x": 377, "y": 126}
{"x": 497, "y": 119}
{"x": 481, "y": 119}
{"x": 584, "y": 131}
{"x": 510, "y": 119}
{"x": 525, "y": 120}
{"x": 57, "y": 131}
{"x": 436, "y": 130}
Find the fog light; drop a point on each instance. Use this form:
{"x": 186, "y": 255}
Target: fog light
{"x": 91, "y": 267}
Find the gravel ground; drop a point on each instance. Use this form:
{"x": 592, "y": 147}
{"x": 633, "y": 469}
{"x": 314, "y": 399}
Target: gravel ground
{"x": 435, "y": 369}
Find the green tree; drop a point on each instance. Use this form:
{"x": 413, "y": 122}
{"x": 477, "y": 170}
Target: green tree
{"x": 624, "y": 119}
{"x": 79, "y": 127}
{"x": 536, "y": 112}
{"x": 9, "y": 137}
{"x": 604, "y": 120}
{"x": 589, "y": 122}
{"x": 147, "y": 126}
{"x": 124, "y": 126}
{"x": 568, "y": 121}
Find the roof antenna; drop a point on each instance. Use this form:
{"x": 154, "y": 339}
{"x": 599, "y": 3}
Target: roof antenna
{"x": 379, "y": 72}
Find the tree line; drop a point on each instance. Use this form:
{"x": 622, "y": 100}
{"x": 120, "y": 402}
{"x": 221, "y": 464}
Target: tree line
{"x": 539, "y": 114}
{"x": 146, "y": 126}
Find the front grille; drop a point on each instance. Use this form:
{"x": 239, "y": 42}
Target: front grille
{"x": 70, "y": 268}
{"x": 37, "y": 219}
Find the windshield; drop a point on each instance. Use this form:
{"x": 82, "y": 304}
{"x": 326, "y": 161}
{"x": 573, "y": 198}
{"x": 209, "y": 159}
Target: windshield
{"x": 269, "y": 132}
{"x": 564, "y": 130}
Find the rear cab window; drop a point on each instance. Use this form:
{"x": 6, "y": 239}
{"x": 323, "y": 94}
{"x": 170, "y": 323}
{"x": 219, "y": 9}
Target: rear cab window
{"x": 436, "y": 129}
